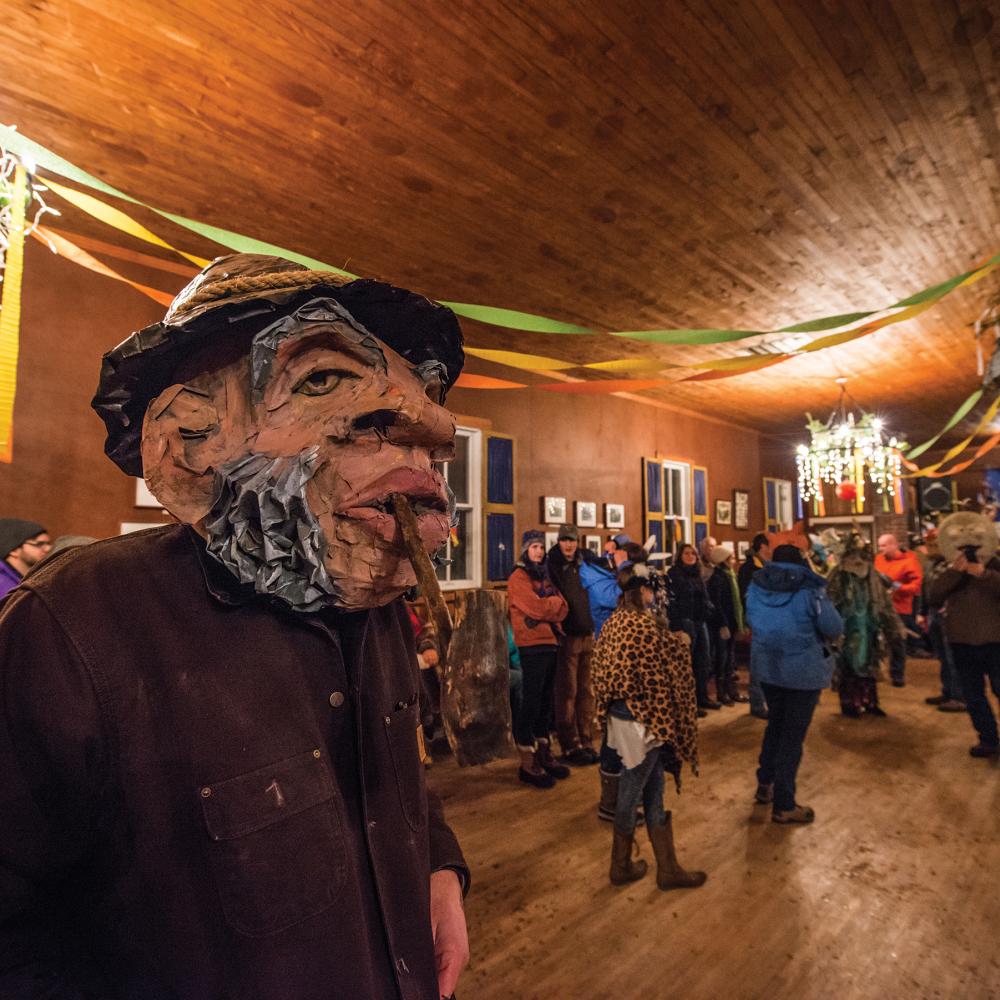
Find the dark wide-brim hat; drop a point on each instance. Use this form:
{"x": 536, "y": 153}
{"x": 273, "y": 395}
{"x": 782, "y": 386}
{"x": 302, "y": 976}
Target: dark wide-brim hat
{"x": 243, "y": 293}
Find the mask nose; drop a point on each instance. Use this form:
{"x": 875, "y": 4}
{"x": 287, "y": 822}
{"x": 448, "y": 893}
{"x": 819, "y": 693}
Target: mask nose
{"x": 411, "y": 417}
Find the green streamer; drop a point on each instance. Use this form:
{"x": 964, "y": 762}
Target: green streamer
{"x": 514, "y": 320}
{"x": 955, "y": 418}
{"x": 689, "y": 336}
{"x": 11, "y": 139}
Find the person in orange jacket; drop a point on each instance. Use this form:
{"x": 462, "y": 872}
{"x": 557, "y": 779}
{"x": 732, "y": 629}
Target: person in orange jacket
{"x": 536, "y": 608}
{"x": 903, "y": 570}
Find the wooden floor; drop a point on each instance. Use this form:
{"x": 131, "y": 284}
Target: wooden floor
{"x": 894, "y": 892}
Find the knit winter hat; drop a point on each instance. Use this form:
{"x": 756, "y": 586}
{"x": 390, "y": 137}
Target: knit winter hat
{"x": 15, "y": 532}
{"x": 569, "y": 531}
{"x": 621, "y": 540}
{"x": 531, "y": 535}
{"x": 719, "y": 555}
{"x": 791, "y": 554}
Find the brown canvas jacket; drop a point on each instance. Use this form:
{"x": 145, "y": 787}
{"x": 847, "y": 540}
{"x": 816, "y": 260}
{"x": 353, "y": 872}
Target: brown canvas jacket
{"x": 971, "y": 604}
{"x": 205, "y": 797}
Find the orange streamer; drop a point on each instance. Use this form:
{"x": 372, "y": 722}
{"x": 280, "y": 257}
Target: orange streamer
{"x": 73, "y": 253}
{"x": 605, "y": 386}
{"x": 469, "y": 381}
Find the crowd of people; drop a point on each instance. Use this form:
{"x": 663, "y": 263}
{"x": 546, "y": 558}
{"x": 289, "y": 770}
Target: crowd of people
{"x": 619, "y": 657}
{"x": 614, "y": 658}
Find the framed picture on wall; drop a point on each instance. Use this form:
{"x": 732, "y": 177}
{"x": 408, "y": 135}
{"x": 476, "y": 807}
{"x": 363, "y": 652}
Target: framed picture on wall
{"x": 723, "y": 511}
{"x": 553, "y": 510}
{"x": 551, "y": 539}
{"x": 586, "y": 514}
{"x": 593, "y": 542}
{"x": 741, "y": 510}
{"x": 614, "y": 515}
{"x": 742, "y": 548}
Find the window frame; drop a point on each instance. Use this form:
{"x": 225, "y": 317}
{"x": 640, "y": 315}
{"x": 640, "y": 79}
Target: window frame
{"x": 474, "y": 513}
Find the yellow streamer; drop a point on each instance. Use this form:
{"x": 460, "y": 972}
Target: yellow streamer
{"x": 10, "y": 314}
{"x": 514, "y": 359}
{"x": 630, "y": 365}
{"x": 116, "y": 218}
{"x": 962, "y": 445}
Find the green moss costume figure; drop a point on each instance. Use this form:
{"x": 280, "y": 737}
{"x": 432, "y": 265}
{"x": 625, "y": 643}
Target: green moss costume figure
{"x": 861, "y": 595}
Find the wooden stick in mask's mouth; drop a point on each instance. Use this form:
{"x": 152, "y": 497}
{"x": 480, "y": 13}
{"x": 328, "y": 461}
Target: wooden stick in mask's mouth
{"x": 427, "y": 579}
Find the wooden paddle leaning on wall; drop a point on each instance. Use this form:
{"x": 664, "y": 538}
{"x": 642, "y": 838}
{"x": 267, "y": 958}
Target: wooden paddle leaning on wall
{"x": 474, "y": 666}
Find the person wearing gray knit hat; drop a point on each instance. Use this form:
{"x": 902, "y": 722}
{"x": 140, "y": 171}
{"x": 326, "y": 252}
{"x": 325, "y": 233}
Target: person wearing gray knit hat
{"x": 22, "y": 544}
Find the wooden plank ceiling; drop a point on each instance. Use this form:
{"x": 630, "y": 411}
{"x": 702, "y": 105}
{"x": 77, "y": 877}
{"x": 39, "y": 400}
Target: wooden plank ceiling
{"x": 620, "y": 165}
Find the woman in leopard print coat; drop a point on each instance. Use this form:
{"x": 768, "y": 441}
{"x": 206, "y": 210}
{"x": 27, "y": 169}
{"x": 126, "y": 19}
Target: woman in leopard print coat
{"x": 646, "y": 703}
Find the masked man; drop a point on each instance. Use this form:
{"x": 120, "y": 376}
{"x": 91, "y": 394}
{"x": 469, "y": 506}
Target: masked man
{"x": 211, "y": 780}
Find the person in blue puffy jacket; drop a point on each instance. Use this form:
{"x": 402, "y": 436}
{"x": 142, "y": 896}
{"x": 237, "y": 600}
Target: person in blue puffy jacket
{"x": 793, "y": 623}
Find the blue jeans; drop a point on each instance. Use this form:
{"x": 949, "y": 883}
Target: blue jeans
{"x": 643, "y": 783}
{"x": 758, "y": 703}
{"x": 898, "y": 648}
{"x": 789, "y": 713}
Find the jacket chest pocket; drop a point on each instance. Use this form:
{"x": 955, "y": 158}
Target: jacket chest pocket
{"x": 401, "y": 734}
{"x": 277, "y": 850}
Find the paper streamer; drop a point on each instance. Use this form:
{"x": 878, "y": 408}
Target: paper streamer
{"x": 631, "y": 365}
{"x": 514, "y": 359}
{"x": 604, "y": 386}
{"x": 13, "y": 140}
{"x": 513, "y": 320}
{"x": 962, "y": 445}
{"x": 73, "y": 253}
{"x": 469, "y": 381}
{"x": 987, "y": 446}
{"x": 508, "y": 318}
{"x": 730, "y": 367}
{"x": 112, "y": 216}
{"x": 10, "y": 313}
{"x": 969, "y": 403}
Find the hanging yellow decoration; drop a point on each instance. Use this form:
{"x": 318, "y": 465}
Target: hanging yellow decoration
{"x": 10, "y": 312}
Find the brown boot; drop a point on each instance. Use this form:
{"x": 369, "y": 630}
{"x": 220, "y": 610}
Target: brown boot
{"x": 669, "y": 874}
{"x": 623, "y": 868}
{"x": 529, "y": 772}
{"x": 548, "y": 763}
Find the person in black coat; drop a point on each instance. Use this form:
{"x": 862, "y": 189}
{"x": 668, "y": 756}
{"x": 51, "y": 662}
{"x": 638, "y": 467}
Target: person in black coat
{"x": 726, "y": 623}
{"x": 690, "y": 610}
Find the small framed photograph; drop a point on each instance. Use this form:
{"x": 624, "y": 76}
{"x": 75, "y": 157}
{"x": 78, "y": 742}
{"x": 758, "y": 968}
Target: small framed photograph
{"x": 741, "y": 510}
{"x": 742, "y": 548}
{"x": 614, "y": 515}
{"x": 723, "y": 511}
{"x": 586, "y": 514}
{"x": 551, "y": 540}
{"x": 553, "y": 510}
{"x": 593, "y": 542}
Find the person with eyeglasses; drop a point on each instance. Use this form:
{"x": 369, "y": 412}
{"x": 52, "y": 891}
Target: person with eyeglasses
{"x": 23, "y": 544}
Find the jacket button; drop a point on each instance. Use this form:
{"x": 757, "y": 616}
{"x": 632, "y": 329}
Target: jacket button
{"x": 337, "y": 699}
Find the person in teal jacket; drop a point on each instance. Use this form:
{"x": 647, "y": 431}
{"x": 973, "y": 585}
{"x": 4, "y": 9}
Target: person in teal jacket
{"x": 793, "y": 623}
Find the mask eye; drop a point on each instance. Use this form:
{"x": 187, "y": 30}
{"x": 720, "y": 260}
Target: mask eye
{"x": 321, "y": 382}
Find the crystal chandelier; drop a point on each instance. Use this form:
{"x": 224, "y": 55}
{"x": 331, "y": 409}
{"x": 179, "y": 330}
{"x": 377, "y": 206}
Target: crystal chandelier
{"x": 844, "y": 452}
